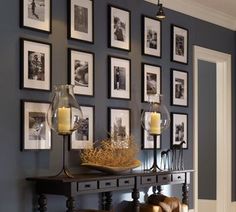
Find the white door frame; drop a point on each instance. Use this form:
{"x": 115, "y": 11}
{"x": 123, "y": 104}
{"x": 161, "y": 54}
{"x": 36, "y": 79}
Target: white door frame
{"x": 224, "y": 138}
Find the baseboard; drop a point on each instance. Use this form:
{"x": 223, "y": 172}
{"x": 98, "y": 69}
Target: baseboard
{"x": 233, "y": 206}
{"x": 206, "y": 205}
{"x": 191, "y": 210}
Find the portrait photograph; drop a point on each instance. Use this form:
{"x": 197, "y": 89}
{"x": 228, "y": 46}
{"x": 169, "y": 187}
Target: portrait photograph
{"x": 151, "y": 84}
{"x": 119, "y": 124}
{"x": 36, "y": 134}
{"x": 35, "y": 65}
{"x": 36, "y": 14}
{"x": 83, "y": 137}
{"x": 179, "y": 44}
{"x": 179, "y": 131}
{"x": 151, "y": 36}
{"x": 147, "y": 139}
{"x": 119, "y": 28}
{"x": 119, "y": 78}
{"x": 81, "y": 71}
{"x": 80, "y": 20}
{"x": 179, "y": 87}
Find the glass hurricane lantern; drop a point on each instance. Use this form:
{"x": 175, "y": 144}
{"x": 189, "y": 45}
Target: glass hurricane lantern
{"x": 155, "y": 120}
{"x": 64, "y": 116}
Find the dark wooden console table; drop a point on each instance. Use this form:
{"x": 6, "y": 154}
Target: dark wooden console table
{"x": 105, "y": 184}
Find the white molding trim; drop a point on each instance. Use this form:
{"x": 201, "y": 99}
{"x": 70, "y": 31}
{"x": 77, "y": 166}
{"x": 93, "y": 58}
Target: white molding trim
{"x": 207, "y": 205}
{"x": 224, "y": 139}
{"x": 197, "y": 10}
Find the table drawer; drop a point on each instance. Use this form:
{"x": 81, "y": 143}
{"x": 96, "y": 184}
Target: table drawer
{"x": 126, "y": 182}
{"x": 148, "y": 179}
{"x": 107, "y": 183}
{"x": 178, "y": 177}
{"x": 164, "y": 178}
{"x": 86, "y": 186}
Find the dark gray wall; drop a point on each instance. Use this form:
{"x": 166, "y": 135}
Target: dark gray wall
{"x": 16, "y": 195}
{"x": 207, "y": 131}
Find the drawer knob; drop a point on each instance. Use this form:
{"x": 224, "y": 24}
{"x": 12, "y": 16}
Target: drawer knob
{"x": 108, "y": 184}
{"x": 179, "y": 177}
{"x": 126, "y": 182}
{"x": 87, "y": 186}
{"x": 164, "y": 178}
{"x": 149, "y": 179}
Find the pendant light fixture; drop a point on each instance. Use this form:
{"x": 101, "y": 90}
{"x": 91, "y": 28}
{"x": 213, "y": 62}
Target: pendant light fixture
{"x": 160, "y": 13}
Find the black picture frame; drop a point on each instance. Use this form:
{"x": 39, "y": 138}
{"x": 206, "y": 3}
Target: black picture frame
{"x": 88, "y": 143}
{"x": 89, "y": 90}
{"x": 144, "y": 134}
{"x": 71, "y": 34}
{"x": 27, "y": 80}
{"x": 144, "y": 83}
{"x": 34, "y": 24}
{"x": 118, "y": 109}
{"x": 180, "y": 116}
{"x": 183, "y": 44}
{"x": 24, "y": 143}
{"x": 111, "y": 41}
{"x": 150, "y": 51}
{"x": 184, "y": 80}
{"x": 114, "y": 93}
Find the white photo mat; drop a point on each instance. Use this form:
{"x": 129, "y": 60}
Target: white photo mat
{"x": 124, "y": 17}
{"x": 76, "y": 55}
{"x": 86, "y": 143}
{"x": 155, "y": 26}
{"x": 124, "y": 64}
{"x": 120, "y": 114}
{"x": 178, "y": 31}
{"x": 180, "y": 129}
{"x": 34, "y": 23}
{"x": 28, "y": 144}
{"x": 155, "y": 70}
{"x": 31, "y": 46}
{"x": 88, "y": 4}
{"x": 179, "y": 84}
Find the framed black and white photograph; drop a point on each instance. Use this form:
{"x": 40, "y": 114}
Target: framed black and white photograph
{"x": 179, "y": 129}
{"x": 36, "y": 134}
{"x": 36, "y": 15}
{"x": 119, "y": 125}
{"x": 83, "y": 137}
{"x": 179, "y": 88}
{"x": 36, "y": 65}
{"x": 119, "y": 28}
{"x": 151, "y": 36}
{"x": 81, "y": 20}
{"x": 147, "y": 139}
{"x": 119, "y": 78}
{"x": 151, "y": 84}
{"x": 179, "y": 45}
{"x": 81, "y": 71}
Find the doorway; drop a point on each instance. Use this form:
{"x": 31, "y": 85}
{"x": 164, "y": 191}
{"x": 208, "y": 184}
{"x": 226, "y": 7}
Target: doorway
{"x": 212, "y": 179}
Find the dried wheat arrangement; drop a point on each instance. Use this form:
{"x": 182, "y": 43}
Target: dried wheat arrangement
{"x": 111, "y": 153}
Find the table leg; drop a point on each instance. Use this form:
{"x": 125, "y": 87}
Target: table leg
{"x": 135, "y": 197}
{"x": 70, "y": 204}
{"x": 108, "y": 204}
{"x": 42, "y": 201}
{"x": 159, "y": 189}
{"x": 185, "y": 190}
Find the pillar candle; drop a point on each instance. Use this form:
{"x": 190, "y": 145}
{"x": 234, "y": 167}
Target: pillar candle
{"x": 155, "y": 127}
{"x": 64, "y": 120}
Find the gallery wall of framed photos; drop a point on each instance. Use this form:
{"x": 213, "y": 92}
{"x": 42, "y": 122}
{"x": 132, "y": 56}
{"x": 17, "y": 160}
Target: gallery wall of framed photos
{"x": 33, "y": 163}
{"x": 36, "y": 64}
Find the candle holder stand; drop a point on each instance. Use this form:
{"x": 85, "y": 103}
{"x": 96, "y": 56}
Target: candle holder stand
{"x": 64, "y": 171}
{"x": 155, "y": 167}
